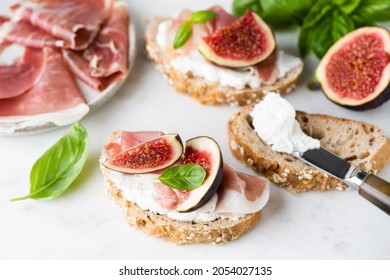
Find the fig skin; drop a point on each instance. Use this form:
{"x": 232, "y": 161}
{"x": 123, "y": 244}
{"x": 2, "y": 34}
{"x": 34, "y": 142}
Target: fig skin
{"x": 210, "y": 53}
{"x": 380, "y": 95}
{"x": 376, "y": 102}
{"x": 118, "y": 162}
{"x": 201, "y": 195}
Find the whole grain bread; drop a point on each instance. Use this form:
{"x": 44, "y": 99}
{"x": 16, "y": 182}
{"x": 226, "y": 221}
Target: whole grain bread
{"x": 215, "y": 232}
{"x": 212, "y": 93}
{"x": 362, "y": 144}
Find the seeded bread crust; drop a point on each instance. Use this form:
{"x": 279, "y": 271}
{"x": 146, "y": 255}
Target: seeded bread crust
{"x": 212, "y": 93}
{"x": 362, "y": 144}
{"x": 181, "y": 233}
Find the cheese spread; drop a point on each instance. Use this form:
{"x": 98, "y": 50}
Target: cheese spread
{"x": 274, "y": 121}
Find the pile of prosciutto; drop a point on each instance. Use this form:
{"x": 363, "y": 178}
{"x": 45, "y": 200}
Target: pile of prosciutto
{"x": 61, "y": 41}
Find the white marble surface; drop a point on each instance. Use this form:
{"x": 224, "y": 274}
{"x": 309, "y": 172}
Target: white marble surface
{"x": 85, "y": 224}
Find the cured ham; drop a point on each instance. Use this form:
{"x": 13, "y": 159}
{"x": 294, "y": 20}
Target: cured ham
{"x": 55, "y": 91}
{"x": 22, "y": 75}
{"x": 241, "y": 193}
{"x": 105, "y": 61}
{"x": 165, "y": 196}
{"x": 24, "y": 33}
{"x": 76, "y": 22}
{"x": 198, "y": 30}
{"x": 267, "y": 70}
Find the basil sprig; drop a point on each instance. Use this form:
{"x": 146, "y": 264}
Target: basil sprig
{"x": 322, "y": 22}
{"x": 183, "y": 177}
{"x": 185, "y": 30}
{"x": 59, "y": 166}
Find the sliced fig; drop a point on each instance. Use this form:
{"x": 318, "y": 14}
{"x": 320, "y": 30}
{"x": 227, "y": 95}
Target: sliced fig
{"x": 355, "y": 72}
{"x": 149, "y": 156}
{"x": 242, "y": 43}
{"x": 204, "y": 151}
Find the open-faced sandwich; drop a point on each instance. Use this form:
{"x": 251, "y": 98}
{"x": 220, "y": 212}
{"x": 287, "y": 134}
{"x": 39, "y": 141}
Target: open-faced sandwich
{"x": 264, "y": 137}
{"x": 219, "y": 59}
{"x": 185, "y": 194}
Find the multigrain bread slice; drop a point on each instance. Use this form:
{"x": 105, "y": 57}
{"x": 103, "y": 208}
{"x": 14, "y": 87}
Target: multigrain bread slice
{"x": 362, "y": 144}
{"x": 212, "y": 93}
{"x": 215, "y": 232}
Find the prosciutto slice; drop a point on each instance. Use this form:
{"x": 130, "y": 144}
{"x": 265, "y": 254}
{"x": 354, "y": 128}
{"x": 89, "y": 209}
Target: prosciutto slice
{"x": 24, "y": 33}
{"x": 76, "y": 22}
{"x": 267, "y": 70}
{"x": 22, "y": 75}
{"x": 55, "y": 91}
{"x": 241, "y": 193}
{"x": 105, "y": 61}
{"x": 198, "y": 30}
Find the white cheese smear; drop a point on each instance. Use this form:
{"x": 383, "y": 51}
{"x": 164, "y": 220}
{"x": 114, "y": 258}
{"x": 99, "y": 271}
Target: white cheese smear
{"x": 274, "y": 121}
{"x": 139, "y": 189}
{"x": 195, "y": 63}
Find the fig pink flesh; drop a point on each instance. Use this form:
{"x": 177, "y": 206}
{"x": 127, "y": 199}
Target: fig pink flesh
{"x": 202, "y": 158}
{"x": 149, "y": 155}
{"x": 356, "y": 69}
{"x": 243, "y": 39}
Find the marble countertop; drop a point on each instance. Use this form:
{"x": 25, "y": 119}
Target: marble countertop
{"x": 84, "y": 224}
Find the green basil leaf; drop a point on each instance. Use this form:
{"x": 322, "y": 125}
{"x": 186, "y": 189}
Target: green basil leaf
{"x": 182, "y": 35}
{"x": 283, "y": 14}
{"x": 183, "y": 177}
{"x": 240, "y": 7}
{"x": 59, "y": 166}
{"x": 304, "y": 42}
{"x": 317, "y": 13}
{"x": 325, "y": 33}
{"x": 346, "y": 6}
{"x": 370, "y": 11}
{"x": 341, "y": 25}
{"x": 200, "y": 17}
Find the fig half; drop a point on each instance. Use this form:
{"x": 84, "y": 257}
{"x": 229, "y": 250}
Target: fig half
{"x": 355, "y": 72}
{"x": 204, "y": 151}
{"x": 149, "y": 156}
{"x": 246, "y": 41}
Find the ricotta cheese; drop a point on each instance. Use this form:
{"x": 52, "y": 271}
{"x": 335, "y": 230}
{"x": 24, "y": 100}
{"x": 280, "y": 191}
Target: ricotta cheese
{"x": 274, "y": 121}
{"x": 138, "y": 188}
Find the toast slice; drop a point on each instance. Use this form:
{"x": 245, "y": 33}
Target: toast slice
{"x": 212, "y": 93}
{"x": 219, "y": 231}
{"x": 362, "y": 144}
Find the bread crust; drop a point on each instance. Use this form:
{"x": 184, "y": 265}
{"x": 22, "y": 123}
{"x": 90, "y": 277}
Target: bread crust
{"x": 181, "y": 233}
{"x": 212, "y": 93}
{"x": 362, "y": 144}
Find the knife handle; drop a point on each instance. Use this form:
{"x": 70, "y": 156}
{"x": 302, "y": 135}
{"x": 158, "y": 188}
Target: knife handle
{"x": 377, "y": 191}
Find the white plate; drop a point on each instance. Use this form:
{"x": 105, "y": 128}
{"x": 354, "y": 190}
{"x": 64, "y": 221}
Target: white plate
{"x": 21, "y": 125}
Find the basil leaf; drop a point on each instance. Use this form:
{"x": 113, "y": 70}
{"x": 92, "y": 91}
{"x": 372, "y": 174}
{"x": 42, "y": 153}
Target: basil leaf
{"x": 341, "y": 25}
{"x": 304, "y": 42}
{"x": 183, "y": 177}
{"x": 182, "y": 35}
{"x": 202, "y": 16}
{"x": 317, "y": 13}
{"x": 283, "y": 14}
{"x": 59, "y": 166}
{"x": 240, "y": 7}
{"x": 325, "y": 33}
{"x": 370, "y": 11}
{"x": 347, "y": 6}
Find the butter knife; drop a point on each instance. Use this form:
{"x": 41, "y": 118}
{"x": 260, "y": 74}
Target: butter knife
{"x": 369, "y": 186}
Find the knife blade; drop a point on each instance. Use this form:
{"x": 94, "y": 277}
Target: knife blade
{"x": 369, "y": 186}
